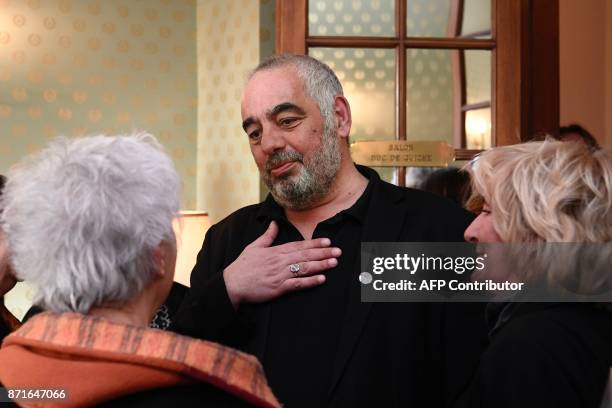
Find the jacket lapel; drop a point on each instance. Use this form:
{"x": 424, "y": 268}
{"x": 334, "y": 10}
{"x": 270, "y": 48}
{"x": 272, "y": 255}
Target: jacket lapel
{"x": 383, "y": 224}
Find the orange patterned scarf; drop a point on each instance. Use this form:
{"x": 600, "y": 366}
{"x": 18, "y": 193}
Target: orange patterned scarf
{"x": 97, "y": 360}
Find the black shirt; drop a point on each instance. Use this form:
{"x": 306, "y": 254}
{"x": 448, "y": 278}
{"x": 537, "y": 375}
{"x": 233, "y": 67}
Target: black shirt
{"x": 311, "y": 317}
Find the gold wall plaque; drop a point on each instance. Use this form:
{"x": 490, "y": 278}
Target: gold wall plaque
{"x": 392, "y": 153}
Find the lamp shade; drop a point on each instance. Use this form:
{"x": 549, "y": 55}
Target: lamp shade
{"x": 190, "y": 229}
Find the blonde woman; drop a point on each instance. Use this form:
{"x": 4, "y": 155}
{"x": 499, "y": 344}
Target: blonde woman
{"x": 543, "y": 354}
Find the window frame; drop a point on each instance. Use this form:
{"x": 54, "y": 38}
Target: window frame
{"x": 525, "y": 64}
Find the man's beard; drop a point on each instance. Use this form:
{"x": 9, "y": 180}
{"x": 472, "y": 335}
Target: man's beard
{"x": 315, "y": 174}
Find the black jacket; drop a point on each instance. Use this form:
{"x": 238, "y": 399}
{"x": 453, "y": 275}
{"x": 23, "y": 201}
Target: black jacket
{"x": 197, "y": 395}
{"x": 390, "y": 354}
{"x": 545, "y": 355}
{"x": 4, "y": 330}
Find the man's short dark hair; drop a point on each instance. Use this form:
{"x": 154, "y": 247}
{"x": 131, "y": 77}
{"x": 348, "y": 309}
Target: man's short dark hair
{"x": 584, "y": 134}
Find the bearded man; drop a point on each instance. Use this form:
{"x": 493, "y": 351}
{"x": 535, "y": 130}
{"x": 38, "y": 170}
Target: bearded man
{"x": 292, "y": 298}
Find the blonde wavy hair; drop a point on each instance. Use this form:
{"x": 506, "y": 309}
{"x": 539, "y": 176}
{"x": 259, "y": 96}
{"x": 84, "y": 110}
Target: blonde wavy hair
{"x": 545, "y": 191}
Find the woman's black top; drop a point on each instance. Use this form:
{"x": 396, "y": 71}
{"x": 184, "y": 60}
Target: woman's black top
{"x": 543, "y": 355}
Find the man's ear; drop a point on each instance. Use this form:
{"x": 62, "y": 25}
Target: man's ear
{"x": 342, "y": 113}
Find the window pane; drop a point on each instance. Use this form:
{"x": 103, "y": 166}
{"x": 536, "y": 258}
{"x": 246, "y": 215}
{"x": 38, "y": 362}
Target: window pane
{"x": 478, "y": 128}
{"x": 476, "y": 18}
{"x": 429, "y": 95}
{"x": 427, "y": 18}
{"x": 478, "y": 76}
{"x": 389, "y": 174}
{"x": 368, "y": 78}
{"x": 372, "y": 18}
{"x": 430, "y": 18}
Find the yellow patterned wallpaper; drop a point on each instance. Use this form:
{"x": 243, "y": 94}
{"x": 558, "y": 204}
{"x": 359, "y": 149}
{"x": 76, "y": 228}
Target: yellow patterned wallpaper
{"x": 173, "y": 67}
{"x": 75, "y": 67}
{"x": 227, "y": 50}
{"x": 267, "y": 36}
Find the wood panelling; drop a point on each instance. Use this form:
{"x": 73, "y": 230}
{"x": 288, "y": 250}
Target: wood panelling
{"x": 508, "y": 57}
{"x": 291, "y": 20}
{"x": 543, "y": 84}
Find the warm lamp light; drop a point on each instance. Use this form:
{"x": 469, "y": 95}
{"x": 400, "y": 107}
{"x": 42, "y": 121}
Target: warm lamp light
{"x": 477, "y": 130}
{"x": 189, "y": 229}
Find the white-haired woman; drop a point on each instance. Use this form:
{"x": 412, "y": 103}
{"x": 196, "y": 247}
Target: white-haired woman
{"x": 551, "y": 195}
{"x": 89, "y": 223}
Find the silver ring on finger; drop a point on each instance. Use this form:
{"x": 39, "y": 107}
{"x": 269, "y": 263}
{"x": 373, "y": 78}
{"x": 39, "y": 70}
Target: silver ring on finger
{"x": 294, "y": 268}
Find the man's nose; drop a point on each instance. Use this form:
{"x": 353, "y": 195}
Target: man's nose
{"x": 271, "y": 141}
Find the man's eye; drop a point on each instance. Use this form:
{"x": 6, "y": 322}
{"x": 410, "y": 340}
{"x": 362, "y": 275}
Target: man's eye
{"x": 287, "y": 121}
{"x": 254, "y": 136}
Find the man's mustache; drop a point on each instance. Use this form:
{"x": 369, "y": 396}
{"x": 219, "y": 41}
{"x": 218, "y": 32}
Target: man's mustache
{"x": 281, "y": 157}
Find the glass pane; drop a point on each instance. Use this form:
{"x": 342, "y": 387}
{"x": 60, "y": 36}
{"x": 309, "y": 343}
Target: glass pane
{"x": 476, "y": 18}
{"x": 429, "y": 95}
{"x": 478, "y": 76}
{"x": 478, "y": 128}
{"x": 371, "y": 18}
{"x": 389, "y": 174}
{"x": 427, "y": 18}
{"x": 430, "y": 18}
{"x": 368, "y": 78}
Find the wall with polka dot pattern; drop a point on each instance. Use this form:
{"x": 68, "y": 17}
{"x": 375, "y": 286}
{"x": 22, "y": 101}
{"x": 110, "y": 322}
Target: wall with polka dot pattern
{"x": 267, "y": 36}
{"x": 77, "y": 67}
{"x": 228, "y": 47}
